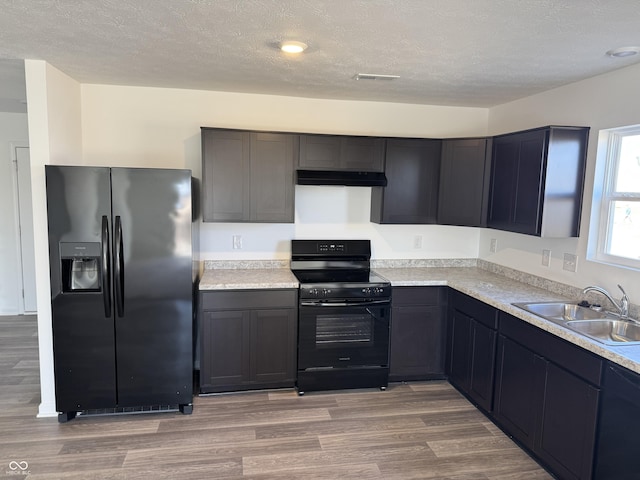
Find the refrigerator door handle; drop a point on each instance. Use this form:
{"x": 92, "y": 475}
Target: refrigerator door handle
{"x": 106, "y": 267}
{"x": 119, "y": 267}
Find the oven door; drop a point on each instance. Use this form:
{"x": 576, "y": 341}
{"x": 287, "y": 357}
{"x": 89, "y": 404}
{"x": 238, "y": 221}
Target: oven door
{"x": 342, "y": 334}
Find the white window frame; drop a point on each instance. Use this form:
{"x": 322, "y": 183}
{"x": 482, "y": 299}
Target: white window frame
{"x": 604, "y": 196}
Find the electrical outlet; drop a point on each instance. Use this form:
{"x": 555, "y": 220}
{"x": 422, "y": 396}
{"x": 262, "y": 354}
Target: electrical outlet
{"x": 570, "y": 263}
{"x": 546, "y": 257}
{"x": 493, "y": 247}
{"x": 237, "y": 242}
{"x": 417, "y": 241}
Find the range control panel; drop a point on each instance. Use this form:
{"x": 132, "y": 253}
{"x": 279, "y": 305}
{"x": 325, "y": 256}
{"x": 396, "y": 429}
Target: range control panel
{"x": 331, "y": 247}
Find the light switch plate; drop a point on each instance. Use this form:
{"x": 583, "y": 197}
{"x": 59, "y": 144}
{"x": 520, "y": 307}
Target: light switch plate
{"x": 237, "y": 242}
{"x": 570, "y": 263}
{"x": 493, "y": 247}
{"x": 417, "y": 241}
{"x": 546, "y": 257}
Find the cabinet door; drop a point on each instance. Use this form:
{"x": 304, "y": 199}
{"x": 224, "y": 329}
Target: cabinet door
{"x": 224, "y": 350}
{"x": 518, "y": 400}
{"x": 225, "y": 173}
{"x": 483, "y": 340}
{"x": 362, "y": 154}
{"x": 272, "y": 183}
{"x": 504, "y": 170}
{"x": 412, "y": 168}
{"x": 417, "y": 340}
{"x": 460, "y": 350}
{"x": 617, "y": 456}
{"x": 527, "y": 212}
{"x": 273, "y": 347}
{"x": 567, "y": 435}
{"x": 516, "y": 182}
{"x": 464, "y": 182}
{"x": 319, "y": 152}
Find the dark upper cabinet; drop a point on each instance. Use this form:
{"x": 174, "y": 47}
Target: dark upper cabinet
{"x": 412, "y": 168}
{"x": 340, "y": 152}
{"x": 464, "y": 182}
{"x": 537, "y": 180}
{"x": 418, "y": 319}
{"x": 248, "y": 176}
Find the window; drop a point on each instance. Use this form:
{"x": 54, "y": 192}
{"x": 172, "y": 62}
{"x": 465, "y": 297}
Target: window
{"x": 616, "y": 207}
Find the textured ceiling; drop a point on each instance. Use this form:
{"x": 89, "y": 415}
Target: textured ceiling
{"x": 446, "y": 52}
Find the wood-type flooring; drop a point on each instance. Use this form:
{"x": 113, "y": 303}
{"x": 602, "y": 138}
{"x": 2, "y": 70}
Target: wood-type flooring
{"x": 420, "y": 430}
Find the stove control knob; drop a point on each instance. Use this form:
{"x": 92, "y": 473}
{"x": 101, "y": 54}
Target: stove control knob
{"x": 326, "y": 292}
{"x": 313, "y": 291}
{"x": 366, "y": 291}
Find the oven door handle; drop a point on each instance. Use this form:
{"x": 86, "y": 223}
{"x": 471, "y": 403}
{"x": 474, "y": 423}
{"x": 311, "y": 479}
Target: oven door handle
{"x": 344, "y": 304}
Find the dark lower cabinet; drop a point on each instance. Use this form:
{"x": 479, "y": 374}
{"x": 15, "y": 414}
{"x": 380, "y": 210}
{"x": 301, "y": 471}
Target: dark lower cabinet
{"x": 546, "y": 396}
{"x": 471, "y": 348}
{"x": 518, "y": 395}
{"x": 567, "y": 424}
{"x": 617, "y": 443}
{"x": 247, "y": 340}
{"x": 418, "y": 316}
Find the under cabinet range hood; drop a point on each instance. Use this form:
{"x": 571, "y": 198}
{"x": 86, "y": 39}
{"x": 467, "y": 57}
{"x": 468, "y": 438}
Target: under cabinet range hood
{"x": 341, "y": 177}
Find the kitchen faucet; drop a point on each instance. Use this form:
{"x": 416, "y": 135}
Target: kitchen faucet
{"x": 623, "y": 306}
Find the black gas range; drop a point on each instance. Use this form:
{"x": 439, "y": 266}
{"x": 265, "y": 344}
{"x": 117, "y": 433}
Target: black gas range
{"x": 344, "y": 316}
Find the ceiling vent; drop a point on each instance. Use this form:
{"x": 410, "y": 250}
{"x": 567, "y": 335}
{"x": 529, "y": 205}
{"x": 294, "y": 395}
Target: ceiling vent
{"x": 374, "y": 76}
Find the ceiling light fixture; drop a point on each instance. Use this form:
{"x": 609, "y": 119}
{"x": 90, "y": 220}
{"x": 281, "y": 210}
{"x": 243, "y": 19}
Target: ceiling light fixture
{"x": 623, "y": 52}
{"x": 293, "y": 47}
{"x": 374, "y": 76}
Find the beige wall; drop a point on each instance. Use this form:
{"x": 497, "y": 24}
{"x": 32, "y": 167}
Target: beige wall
{"x": 605, "y": 101}
{"x": 134, "y": 126}
{"x": 54, "y": 137}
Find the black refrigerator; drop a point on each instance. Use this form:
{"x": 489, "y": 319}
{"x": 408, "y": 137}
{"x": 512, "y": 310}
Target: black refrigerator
{"x": 120, "y": 253}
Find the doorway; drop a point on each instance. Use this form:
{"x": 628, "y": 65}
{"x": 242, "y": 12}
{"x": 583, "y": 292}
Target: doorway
{"x": 24, "y": 230}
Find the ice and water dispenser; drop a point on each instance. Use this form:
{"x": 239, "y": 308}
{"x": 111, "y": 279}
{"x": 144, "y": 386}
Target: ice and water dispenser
{"x": 80, "y": 266}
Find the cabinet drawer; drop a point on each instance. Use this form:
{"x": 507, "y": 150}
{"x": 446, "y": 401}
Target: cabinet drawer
{"x": 557, "y": 350}
{"x": 476, "y": 309}
{"x": 406, "y": 296}
{"x": 248, "y": 299}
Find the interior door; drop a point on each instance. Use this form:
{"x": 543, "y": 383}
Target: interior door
{"x": 27, "y": 255}
{"x": 152, "y": 285}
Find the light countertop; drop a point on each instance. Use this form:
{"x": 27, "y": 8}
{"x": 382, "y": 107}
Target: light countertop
{"x": 494, "y": 289}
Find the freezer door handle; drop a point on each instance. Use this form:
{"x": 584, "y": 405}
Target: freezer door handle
{"x": 119, "y": 267}
{"x": 106, "y": 267}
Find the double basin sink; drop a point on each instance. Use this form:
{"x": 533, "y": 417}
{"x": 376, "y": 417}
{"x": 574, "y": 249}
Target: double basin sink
{"x": 601, "y": 326}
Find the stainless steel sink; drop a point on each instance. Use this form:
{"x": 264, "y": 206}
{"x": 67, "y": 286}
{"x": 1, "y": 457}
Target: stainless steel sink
{"x": 598, "y": 325}
{"x": 608, "y": 331}
{"x": 561, "y": 311}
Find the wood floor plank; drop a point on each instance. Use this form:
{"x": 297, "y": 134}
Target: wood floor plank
{"x": 179, "y": 454}
{"x": 465, "y": 445}
{"x": 452, "y": 433}
{"x": 350, "y": 426}
{"x": 318, "y": 459}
